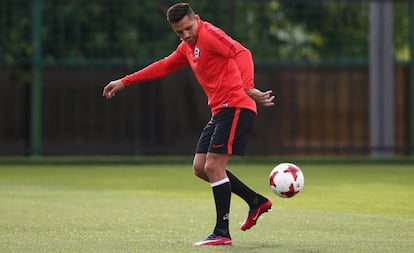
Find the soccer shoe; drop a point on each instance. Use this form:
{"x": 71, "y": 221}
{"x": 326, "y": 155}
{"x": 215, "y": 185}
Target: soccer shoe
{"x": 254, "y": 215}
{"x": 214, "y": 239}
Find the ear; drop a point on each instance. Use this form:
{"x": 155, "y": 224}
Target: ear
{"x": 197, "y": 17}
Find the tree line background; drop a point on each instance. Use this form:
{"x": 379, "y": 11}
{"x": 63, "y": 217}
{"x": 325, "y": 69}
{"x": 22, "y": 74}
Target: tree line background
{"x": 132, "y": 31}
{"x": 96, "y": 41}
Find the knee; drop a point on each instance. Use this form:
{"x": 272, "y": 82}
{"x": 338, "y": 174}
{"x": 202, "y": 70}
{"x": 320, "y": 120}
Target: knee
{"x": 198, "y": 169}
{"x": 209, "y": 168}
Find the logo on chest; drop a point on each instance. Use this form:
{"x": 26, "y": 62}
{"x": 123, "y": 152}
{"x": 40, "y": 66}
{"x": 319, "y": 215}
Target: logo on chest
{"x": 196, "y": 53}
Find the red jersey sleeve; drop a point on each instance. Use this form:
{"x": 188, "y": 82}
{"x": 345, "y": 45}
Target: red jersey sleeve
{"x": 244, "y": 60}
{"x": 158, "y": 69}
{"x": 230, "y": 48}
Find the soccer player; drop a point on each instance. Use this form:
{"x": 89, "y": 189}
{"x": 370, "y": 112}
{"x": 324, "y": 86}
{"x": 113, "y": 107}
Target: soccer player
{"x": 224, "y": 69}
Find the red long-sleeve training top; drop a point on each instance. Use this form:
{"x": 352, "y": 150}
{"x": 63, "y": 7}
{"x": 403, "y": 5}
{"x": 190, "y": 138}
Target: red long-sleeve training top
{"x": 222, "y": 66}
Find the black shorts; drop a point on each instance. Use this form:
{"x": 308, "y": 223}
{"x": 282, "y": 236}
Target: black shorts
{"x": 227, "y": 132}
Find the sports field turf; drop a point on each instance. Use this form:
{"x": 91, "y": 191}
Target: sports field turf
{"x": 162, "y": 207}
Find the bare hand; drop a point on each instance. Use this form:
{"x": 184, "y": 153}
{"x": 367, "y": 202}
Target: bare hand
{"x": 111, "y": 88}
{"x": 264, "y": 98}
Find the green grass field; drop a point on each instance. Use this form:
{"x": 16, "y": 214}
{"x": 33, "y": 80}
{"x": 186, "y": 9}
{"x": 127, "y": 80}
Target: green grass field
{"x": 157, "y": 207}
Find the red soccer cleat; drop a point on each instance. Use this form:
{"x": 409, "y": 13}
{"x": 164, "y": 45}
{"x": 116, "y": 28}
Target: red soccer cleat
{"x": 214, "y": 239}
{"x": 254, "y": 215}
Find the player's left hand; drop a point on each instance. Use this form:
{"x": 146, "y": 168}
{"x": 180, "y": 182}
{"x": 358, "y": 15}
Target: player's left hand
{"x": 264, "y": 98}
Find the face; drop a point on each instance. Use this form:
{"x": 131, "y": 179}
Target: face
{"x": 187, "y": 29}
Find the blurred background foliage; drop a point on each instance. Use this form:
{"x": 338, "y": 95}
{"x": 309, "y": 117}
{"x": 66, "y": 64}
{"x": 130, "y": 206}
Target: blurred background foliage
{"x": 313, "y": 54}
{"x": 76, "y": 31}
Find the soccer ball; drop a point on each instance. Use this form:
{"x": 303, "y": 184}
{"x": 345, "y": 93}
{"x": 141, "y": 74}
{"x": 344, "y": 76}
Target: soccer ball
{"x": 286, "y": 180}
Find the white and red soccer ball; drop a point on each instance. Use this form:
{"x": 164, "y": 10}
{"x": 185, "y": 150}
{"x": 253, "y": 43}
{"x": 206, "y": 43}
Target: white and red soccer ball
{"x": 286, "y": 180}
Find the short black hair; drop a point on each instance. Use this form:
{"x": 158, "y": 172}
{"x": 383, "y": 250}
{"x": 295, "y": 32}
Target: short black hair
{"x": 176, "y": 12}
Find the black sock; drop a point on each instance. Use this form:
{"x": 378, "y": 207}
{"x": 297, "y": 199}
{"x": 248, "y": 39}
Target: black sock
{"x": 252, "y": 198}
{"x": 222, "y": 195}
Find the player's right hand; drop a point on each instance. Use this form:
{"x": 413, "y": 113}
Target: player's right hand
{"x": 111, "y": 88}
